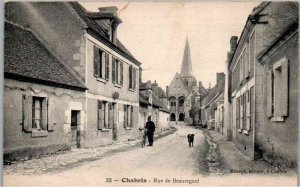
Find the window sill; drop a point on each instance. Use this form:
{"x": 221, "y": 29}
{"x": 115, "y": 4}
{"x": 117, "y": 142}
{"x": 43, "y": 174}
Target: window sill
{"x": 101, "y": 80}
{"x": 128, "y": 128}
{"x": 39, "y": 133}
{"x": 104, "y": 130}
{"x": 118, "y": 85}
{"x": 132, "y": 90}
{"x": 277, "y": 119}
{"x": 246, "y": 132}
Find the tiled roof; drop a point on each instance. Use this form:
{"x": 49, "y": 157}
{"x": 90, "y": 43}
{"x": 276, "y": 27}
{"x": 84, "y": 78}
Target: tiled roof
{"x": 213, "y": 92}
{"x": 143, "y": 100}
{"x": 158, "y": 103}
{"x": 26, "y": 56}
{"x": 158, "y": 91}
{"x": 99, "y": 32}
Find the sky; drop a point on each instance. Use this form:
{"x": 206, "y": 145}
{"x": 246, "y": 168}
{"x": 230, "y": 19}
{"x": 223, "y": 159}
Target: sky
{"x": 155, "y": 33}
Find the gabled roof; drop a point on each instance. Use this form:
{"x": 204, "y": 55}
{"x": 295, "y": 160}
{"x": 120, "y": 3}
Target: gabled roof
{"x": 158, "y": 91}
{"x": 143, "y": 100}
{"x": 180, "y": 79}
{"x": 99, "y": 32}
{"x": 27, "y": 58}
{"x": 159, "y": 104}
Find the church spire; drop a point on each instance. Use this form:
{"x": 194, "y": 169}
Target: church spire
{"x": 186, "y": 67}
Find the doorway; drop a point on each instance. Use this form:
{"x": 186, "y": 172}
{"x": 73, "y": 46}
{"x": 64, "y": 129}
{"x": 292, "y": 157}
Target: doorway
{"x": 181, "y": 117}
{"x": 75, "y": 119}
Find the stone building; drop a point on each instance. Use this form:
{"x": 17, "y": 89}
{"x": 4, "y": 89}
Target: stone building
{"x": 211, "y": 105}
{"x": 182, "y": 89}
{"x": 152, "y": 105}
{"x": 43, "y": 100}
{"x": 264, "y": 59}
{"x": 87, "y": 45}
{"x": 277, "y": 139}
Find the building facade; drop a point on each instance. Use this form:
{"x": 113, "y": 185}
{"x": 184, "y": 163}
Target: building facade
{"x": 153, "y": 105}
{"x": 43, "y": 100}
{"x": 182, "y": 89}
{"x": 250, "y": 107}
{"x": 281, "y": 88}
{"x": 211, "y": 105}
{"x": 87, "y": 45}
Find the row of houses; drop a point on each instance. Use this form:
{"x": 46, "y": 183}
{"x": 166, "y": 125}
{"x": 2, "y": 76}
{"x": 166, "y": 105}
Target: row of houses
{"x": 255, "y": 104}
{"x": 69, "y": 82}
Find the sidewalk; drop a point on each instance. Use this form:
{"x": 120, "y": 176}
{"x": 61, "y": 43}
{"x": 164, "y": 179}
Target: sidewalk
{"x": 232, "y": 160}
{"x": 75, "y": 157}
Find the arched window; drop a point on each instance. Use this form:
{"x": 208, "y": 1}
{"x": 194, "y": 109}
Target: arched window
{"x": 173, "y": 117}
{"x": 173, "y": 101}
{"x": 181, "y": 117}
{"x": 181, "y": 102}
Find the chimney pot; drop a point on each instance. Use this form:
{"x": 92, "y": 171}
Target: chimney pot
{"x": 233, "y": 43}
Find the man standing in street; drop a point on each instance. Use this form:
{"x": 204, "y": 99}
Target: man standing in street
{"x": 150, "y": 126}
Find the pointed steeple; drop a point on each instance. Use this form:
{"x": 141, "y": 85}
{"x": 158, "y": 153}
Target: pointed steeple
{"x": 186, "y": 67}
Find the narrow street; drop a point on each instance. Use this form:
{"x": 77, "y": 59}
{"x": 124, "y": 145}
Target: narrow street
{"x": 169, "y": 156}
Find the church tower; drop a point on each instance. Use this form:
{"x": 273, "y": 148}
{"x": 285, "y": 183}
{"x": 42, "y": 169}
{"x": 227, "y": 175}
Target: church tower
{"x": 186, "y": 68}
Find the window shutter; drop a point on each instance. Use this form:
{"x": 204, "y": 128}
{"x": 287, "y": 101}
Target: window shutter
{"x": 130, "y": 76}
{"x": 96, "y": 61}
{"x": 121, "y": 71}
{"x": 248, "y": 110}
{"x": 134, "y": 78}
{"x": 106, "y": 57}
{"x": 284, "y": 88}
{"x": 125, "y": 116}
{"x": 269, "y": 94}
{"x": 117, "y": 72}
{"x": 100, "y": 114}
{"x": 44, "y": 124}
{"x": 131, "y": 116}
{"x": 241, "y": 112}
{"x": 113, "y": 70}
{"x": 50, "y": 120}
{"x": 27, "y": 113}
{"x": 238, "y": 113}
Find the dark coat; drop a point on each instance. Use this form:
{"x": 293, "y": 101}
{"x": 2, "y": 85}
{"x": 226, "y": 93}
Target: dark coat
{"x": 150, "y": 126}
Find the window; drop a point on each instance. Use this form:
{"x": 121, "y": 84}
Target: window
{"x": 241, "y": 69}
{"x": 128, "y": 116}
{"x": 277, "y": 91}
{"x": 246, "y": 60}
{"x": 35, "y": 115}
{"x": 251, "y": 53}
{"x": 132, "y": 78}
{"x": 181, "y": 102}
{"x": 101, "y": 64}
{"x": 37, "y": 112}
{"x": 173, "y": 101}
{"x": 103, "y": 115}
{"x": 238, "y": 112}
{"x": 117, "y": 71}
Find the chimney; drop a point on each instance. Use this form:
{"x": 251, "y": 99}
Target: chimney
{"x": 110, "y": 14}
{"x": 200, "y": 84}
{"x": 140, "y": 74}
{"x": 167, "y": 91}
{"x": 220, "y": 77}
{"x": 233, "y": 43}
{"x": 149, "y": 91}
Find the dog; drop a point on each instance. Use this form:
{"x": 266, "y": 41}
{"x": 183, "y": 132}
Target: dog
{"x": 190, "y": 138}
